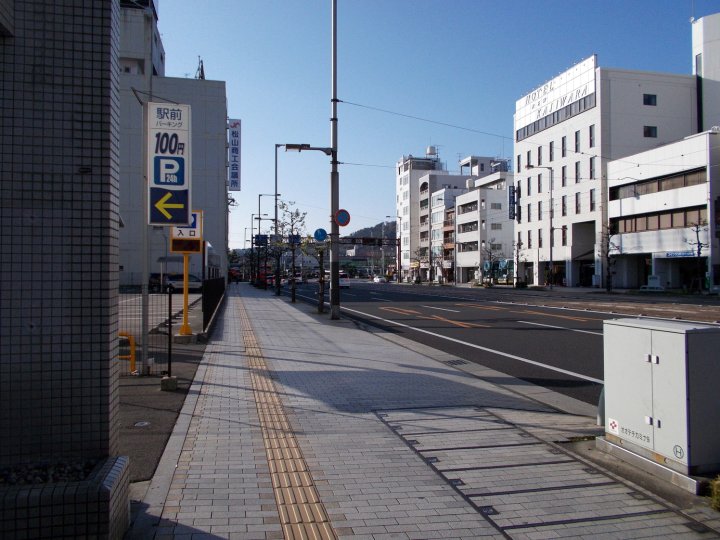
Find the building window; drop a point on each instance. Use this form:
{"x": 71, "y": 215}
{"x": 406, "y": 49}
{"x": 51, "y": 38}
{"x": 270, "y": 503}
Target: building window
{"x": 529, "y": 242}
{"x": 529, "y": 187}
{"x": 552, "y": 150}
{"x": 539, "y": 210}
{"x": 495, "y": 206}
{"x": 592, "y": 168}
{"x": 577, "y": 203}
{"x": 529, "y": 213}
{"x": 539, "y": 238}
{"x": 539, "y": 183}
{"x": 519, "y": 163}
{"x": 563, "y": 147}
{"x": 482, "y": 224}
{"x": 519, "y": 240}
{"x": 496, "y": 226}
{"x": 563, "y": 237}
{"x": 577, "y": 172}
{"x": 539, "y": 155}
{"x": 564, "y": 205}
{"x": 650, "y": 99}
{"x": 650, "y": 131}
{"x": 563, "y": 176}
{"x": 577, "y": 141}
{"x": 592, "y": 200}
{"x": 591, "y": 136}
{"x": 528, "y": 159}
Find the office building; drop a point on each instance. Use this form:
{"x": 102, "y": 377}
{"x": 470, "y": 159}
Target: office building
{"x": 566, "y": 131}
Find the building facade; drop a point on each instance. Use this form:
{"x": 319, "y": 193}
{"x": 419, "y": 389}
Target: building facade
{"x": 407, "y": 189}
{"x": 142, "y": 79}
{"x": 663, "y": 220}
{"x": 566, "y": 131}
{"x": 484, "y": 230}
{"x": 438, "y": 264}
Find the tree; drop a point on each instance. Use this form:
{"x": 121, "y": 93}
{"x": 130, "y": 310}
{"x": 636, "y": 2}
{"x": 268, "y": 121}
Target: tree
{"x": 517, "y": 246}
{"x": 317, "y": 250}
{"x": 608, "y": 250}
{"x": 698, "y": 246}
{"x": 292, "y": 221}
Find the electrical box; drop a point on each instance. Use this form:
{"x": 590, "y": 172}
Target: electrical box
{"x": 662, "y": 395}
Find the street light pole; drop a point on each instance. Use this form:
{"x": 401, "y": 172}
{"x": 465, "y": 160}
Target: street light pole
{"x": 334, "y": 180}
{"x": 277, "y": 255}
{"x": 552, "y": 230}
{"x": 398, "y": 266}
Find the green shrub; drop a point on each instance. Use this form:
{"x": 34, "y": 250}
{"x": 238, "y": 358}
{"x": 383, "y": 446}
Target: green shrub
{"x": 715, "y": 494}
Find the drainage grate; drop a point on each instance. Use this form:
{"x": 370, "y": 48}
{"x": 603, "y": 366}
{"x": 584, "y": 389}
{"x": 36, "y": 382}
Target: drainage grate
{"x": 455, "y": 362}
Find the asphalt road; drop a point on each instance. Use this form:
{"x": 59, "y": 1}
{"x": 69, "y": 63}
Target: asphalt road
{"x": 555, "y": 340}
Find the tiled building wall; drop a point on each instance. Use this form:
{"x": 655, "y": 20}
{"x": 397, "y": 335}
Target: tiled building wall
{"x": 58, "y": 230}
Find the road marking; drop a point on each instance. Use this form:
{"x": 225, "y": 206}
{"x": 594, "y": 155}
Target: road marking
{"x": 480, "y": 347}
{"x": 461, "y": 324}
{"x": 553, "y": 315}
{"x": 442, "y": 309}
{"x": 401, "y": 311}
{"x": 563, "y": 328}
{"x": 480, "y": 306}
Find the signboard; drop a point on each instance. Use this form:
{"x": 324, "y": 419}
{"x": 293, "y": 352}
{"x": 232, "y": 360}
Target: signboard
{"x": 188, "y": 239}
{"x": 233, "y": 155}
{"x": 568, "y": 87}
{"x": 320, "y": 235}
{"x": 169, "y": 167}
{"x": 511, "y": 203}
{"x": 261, "y": 239}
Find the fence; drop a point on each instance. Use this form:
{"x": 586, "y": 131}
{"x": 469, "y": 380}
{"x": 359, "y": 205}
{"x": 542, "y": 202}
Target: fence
{"x": 161, "y": 308}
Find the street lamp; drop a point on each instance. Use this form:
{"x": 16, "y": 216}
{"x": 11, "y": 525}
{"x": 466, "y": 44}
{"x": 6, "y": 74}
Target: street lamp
{"x": 551, "y": 217}
{"x": 334, "y": 227}
{"x": 254, "y": 267}
{"x": 398, "y": 269}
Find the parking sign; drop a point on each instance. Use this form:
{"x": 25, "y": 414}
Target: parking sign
{"x": 168, "y": 163}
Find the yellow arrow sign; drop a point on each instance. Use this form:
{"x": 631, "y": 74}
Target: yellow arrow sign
{"x": 162, "y": 204}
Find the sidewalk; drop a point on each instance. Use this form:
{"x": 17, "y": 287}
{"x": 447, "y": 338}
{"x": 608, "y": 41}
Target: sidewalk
{"x": 297, "y": 427}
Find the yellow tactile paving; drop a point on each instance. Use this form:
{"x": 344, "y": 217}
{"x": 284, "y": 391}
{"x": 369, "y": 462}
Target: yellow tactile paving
{"x": 302, "y": 514}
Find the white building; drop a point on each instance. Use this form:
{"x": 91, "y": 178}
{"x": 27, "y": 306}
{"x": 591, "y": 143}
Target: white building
{"x": 566, "y": 131}
{"x": 407, "y": 188}
{"x": 142, "y": 69}
{"x": 484, "y": 230}
{"x": 440, "y": 201}
{"x": 663, "y": 214}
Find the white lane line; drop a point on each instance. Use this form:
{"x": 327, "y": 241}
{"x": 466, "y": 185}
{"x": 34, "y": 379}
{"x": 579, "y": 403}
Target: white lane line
{"x": 563, "y": 328}
{"x": 499, "y": 353}
{"x": 381, "y": 300}
{"x": 442, "y": 309}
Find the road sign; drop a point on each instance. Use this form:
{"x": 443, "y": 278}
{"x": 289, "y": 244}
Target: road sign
{"x": 342, "y": 217}
{"x": 168, "y": 163}
{"x": 320, "y": 235}
{"x": 188, "y": 239}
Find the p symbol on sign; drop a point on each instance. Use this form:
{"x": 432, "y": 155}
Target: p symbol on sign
{"x": 169, "y": 171}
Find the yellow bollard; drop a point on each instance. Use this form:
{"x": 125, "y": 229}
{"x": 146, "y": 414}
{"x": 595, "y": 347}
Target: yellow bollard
{"x": 131, "y": 356}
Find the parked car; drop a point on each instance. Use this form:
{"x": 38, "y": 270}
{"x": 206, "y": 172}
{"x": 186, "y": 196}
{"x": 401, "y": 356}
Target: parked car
{"x": 154, "y": 285}
{"x": 174, "y": 283}
{"x": 379, "y": 279}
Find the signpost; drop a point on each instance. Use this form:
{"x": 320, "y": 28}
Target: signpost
{"x": 169, "y": 167}
{"x": 187, "y": 240}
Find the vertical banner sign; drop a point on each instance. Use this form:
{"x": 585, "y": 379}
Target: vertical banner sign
{"x": 233, "y": 155}
{"x": 168, "y": 165}
{"x": 511, "y": 202}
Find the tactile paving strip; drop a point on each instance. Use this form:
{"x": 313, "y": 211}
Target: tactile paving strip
{"x": 302, "y": 514}
{"x": 528, "y": 488}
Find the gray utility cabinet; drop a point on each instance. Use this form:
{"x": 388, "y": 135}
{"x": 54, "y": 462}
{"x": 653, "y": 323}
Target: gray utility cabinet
{"x": 662, "y": 391}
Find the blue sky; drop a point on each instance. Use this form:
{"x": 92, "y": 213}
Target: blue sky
{"x": 457, "y": 62}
